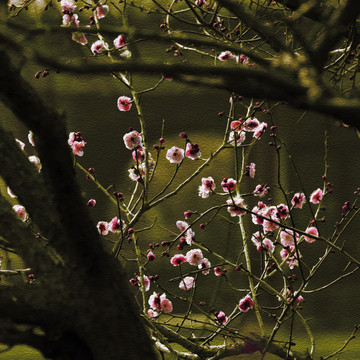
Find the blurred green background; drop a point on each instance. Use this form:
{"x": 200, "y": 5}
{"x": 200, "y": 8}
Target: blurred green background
{"x": 89, "y": 102}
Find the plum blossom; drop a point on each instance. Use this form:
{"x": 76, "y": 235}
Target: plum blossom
{"x": 260, "y": 190}
{"x": 115, "y": 225}
{"x": 234, "y": 209}
{"x": 228, "y": 184}
{"x": 146, "y": 282}
{"x": 150, "y": 256}
{"x": 102, "y": 11}
{"x": 206, "y": 187}
{"x": 194, "y": 257}
{"x": 120, "y": 42}
{"x": 237, "y": 125}
{"x": 246, "y": 303}
{"x": 68, "y": 19}
{"x": 282, "y": 211}
{"x": 175, "y": 155}
{"x": 98, "y": 47}
{"x": 21, "y": 211}
{"x": 165, "y": 304}
{"x": 261, "y": 209}
{"x": 124, "y": 103}
{"x": 103, "y": 227}
{"x": 68, "y": 9}
{"x": 250, "y": 170}
{"x": 192, "y": 151}
{"x": 77, "y": 143}
{"x": 205, "y": 264}
{"x": 217, "y": 271}
{"x": 132, "y": 140}
{"x": 251, "y": 124}
{"x": 316, "y": 196}
{"x": 288, "y": 254}
{"x": 136, "y": 173}
{"x": 200, "y": 3}
{"x": 240, "y": 137}
{"x": 189, "y": 234}
{"x": 262, "y": 243}
{"x": 260, "y": 130}
{"x": 178, "y": 259}
{"x": 160, "y": 302}
{"x": 298, "y": 200}
{"x": 139, "y": 154}
{"x": 288, "y": 238}
{"x": 79, "y": 38}
{"x": 152, "y": 314}
{"x": 226, "y": 55}
{"x": 221, "y": 318}
{"x": 187, "y": 283}
{"x": 313, "y": 231}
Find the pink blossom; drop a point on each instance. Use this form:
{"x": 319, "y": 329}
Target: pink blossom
{"x": 207, "y": 186}
{"x": 150, "y": 256}
{"x": 261, "y": 209}
{"x": 98, "y": 47}
{"x": 79, "y": 38}
{"x": 152, "y": 313}
{"x": 316, "y": 196}
{"x": 250, "y": 170}
{"x": 77, "y": 143}
{"x": 226, "y": 55}
{"x": 103, "y": 227}
{"x": 187, "y": 283}
{"x": 165, "y": 304}
{"x": 221, "y": 318}
{"x": 175, "y": 155}
{"x": 146, "y": 282}
{"x": 68, "y": 19}
{"x": 313, "y": 231}
{"x": 240, "y": 137}
{"x": 262, "y": 243}
{"x": 289, "y": 255}
{"x": 139, "y": 154}
{"x": 271, "y": 214}
{"x": 31, "y": 138}
{"x": 260, "y": 130}
{"x": 21, "y": 211}
{"x": 178, "y": 259}
{"x": 236, "y": 202}
{"x": 194, "y": 257}
{"x": 242, "y": 59}
{"x": 246, "y": 303}
{"x": 67, "y": 6}
{"x": 217, "y": 271}
{"x": 287, "y": 238}
{"x": 114, "y": 225}
{"x": 298, "y": 200}
{"x": 189, "y": 234}
{"x": 138, "y": 172}
{"x": 102, "y": 11}
{"x": 237, "y": 125}
{"x": 282, "y": 211}
{"x": 120, "y": 42}
{"x": 200, "y": 3}
{"x": 124, "y": 103}
{"x": 132, "y": 140}
{"x": 260, "y": 190}
{"x": 228, "y": 184}
{"x": 20, "y": 143}
{"x": 251, "y": 124}
{"x": 154, "y": 301}
{"x": 192, "y": 151}
{"x": 205, "y": 264}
